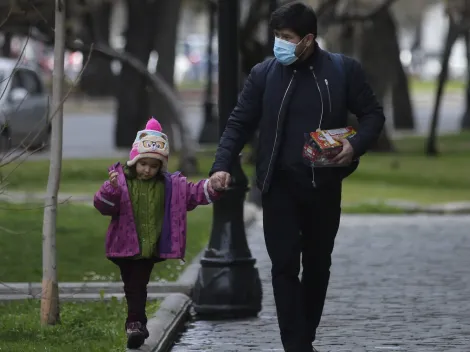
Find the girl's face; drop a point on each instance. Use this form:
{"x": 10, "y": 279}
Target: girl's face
{"x": 147, "y": 168}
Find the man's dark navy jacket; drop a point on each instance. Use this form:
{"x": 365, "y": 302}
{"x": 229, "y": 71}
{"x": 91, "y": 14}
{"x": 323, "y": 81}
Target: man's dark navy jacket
{"x": 265, "y": 103}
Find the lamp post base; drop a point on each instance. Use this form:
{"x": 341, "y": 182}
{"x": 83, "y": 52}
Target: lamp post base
{"x": 227, "y": 290}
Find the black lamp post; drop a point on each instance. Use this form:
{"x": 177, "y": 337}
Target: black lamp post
{"x": 228, "y": 285}
{"x": 209, "y": 130}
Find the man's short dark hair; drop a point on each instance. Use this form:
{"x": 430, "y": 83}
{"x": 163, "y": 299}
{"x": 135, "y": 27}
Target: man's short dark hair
{"x": 295, "y": 16}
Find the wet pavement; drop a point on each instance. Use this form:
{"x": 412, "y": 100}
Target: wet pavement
{"x": 399, "y": 283}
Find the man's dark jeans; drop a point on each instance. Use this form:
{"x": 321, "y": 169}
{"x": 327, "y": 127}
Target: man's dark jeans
{"x": 300, "y": 222}
{"x": 135, "y": 275}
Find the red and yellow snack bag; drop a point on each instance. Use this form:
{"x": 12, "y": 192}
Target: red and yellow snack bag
{"x": 320, "y": 147}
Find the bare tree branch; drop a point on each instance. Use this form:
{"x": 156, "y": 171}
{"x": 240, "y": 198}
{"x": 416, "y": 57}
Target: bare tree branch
{"x": 8, "y": 15}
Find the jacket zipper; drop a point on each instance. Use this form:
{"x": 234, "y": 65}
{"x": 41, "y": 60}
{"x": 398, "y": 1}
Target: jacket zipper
{"x": 321, "y": 97}
{"x": 328, "y": 90}
{"x": 277, "y": 129}
{"x": 321, "y": 117}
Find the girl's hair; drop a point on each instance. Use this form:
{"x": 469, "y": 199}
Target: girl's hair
{"x": 131, "y": 171}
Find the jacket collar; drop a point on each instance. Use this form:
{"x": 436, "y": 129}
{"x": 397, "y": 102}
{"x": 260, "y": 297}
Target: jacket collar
{"x": 314, "y": 60}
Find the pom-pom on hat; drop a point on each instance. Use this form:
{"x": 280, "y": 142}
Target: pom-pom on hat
{"x": 150, "y": 143}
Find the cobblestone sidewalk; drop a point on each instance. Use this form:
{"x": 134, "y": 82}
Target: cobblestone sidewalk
{"x": 399, "y": 283}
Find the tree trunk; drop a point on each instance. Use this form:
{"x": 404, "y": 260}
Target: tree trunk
{"x": 133, "y": 102}
{"x": 6, "y": 47}
{"x": 452, "y": 35}
{"x": 402, "y": 107}
{"x": 50, "y": 313}
{"x": 403, "y": 117}
{"x": 465, "y": 123}
{"x": 165, "y": 44}
{"x": 166, "y": 24}
{"x": 418, "y": 37}
{"x": 378, "y": 45}
{"x": 97, "y": 79}
{"x": 347, "y": 33}
{"x": 252, "y": 51}
{"x": 353, "y": 39}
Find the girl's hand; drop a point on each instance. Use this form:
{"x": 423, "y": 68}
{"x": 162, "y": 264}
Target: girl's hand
{"x": 220, "y": 181}
{"x": 210, "y": 188}
{"x": 113, "y": 175}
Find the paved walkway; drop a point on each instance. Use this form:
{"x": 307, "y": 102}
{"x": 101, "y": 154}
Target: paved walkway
{"x": 398, "y": 284}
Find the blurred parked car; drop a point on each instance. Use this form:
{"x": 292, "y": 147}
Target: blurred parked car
{"x": 23, "y": 107}
{"x": 73, "y": 63}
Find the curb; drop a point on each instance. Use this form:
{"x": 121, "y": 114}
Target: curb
{"x": 167, "y": 322}
{"x": 79, "y": 297}
{"x": 92, "y": 287}
{"x": 451, "y": 208}
{"x": 174, "y": 310}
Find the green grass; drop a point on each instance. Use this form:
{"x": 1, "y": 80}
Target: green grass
{"x": 82, "y": 175}
{"x": 406, "y": 175}
{"x": 90, "y": 327}
{"x": 409, "y": 175}
{"x": 419, "y": 86}
{"x": 192, "y": 85}
{"x": 80, "y": 244}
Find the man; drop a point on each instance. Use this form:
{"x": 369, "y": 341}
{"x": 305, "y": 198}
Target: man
{"x": 302, "y": 89}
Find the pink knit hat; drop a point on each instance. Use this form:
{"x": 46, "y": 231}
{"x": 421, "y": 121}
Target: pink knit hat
{"x": 150, "y": 143}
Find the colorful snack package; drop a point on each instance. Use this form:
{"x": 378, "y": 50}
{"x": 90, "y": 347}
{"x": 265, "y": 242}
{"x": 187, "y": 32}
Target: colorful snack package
{"x": 320, "y": 147}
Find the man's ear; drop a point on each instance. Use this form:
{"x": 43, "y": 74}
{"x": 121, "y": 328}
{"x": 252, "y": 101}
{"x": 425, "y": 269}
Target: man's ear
{"x": 310, "y": 39}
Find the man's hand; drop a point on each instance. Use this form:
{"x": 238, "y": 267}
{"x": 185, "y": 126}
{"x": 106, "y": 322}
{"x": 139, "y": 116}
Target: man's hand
{"x": 346, "y": 155}
{"x": 220, "y": 181}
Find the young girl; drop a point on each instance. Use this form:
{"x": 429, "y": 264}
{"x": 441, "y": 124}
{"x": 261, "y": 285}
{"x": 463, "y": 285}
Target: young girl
{"x": 148, "y": 207}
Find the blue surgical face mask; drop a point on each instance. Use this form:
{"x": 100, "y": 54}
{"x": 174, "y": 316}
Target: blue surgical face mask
{"x": 284, "y": 51}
